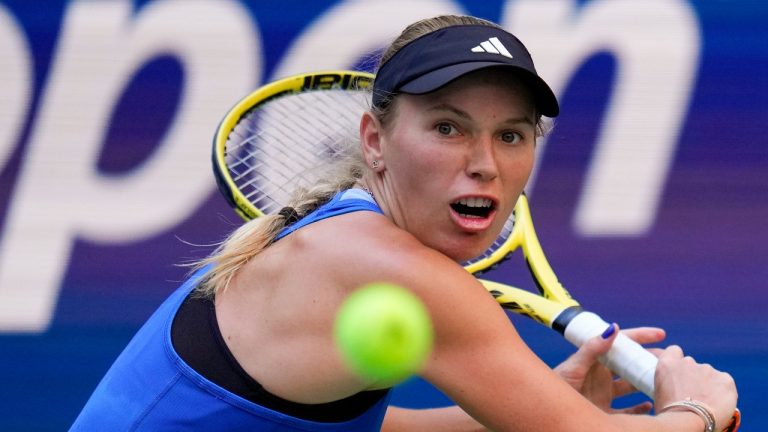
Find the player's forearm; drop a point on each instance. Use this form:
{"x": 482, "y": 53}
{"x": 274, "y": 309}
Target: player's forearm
{"x": 454, "y": 419}
{"x": 449, "y": 419}
{"x": 667, "y": 422}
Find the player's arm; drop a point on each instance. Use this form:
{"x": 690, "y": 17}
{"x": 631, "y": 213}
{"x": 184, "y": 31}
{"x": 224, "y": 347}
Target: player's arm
{"x": 479, "y": 360}
{"x": 481, "y": 363}
{"x": 581, "y": 371}
{"x": 447, "y": 419}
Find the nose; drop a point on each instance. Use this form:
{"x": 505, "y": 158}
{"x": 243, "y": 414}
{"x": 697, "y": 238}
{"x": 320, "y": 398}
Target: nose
{"x": 481, "y": 160}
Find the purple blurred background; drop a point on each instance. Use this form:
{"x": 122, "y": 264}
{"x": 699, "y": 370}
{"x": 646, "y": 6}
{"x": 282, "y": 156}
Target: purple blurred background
{"x": 651, "y": 196}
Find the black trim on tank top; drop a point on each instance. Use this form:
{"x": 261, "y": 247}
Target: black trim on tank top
{"x": 197, "y": 339}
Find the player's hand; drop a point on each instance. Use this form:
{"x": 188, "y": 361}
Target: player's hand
{"x": 588, "y": 376}
{"x": 680, "y": 377}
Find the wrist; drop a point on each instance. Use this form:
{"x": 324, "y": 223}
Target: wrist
{"x": 685, "y": 408}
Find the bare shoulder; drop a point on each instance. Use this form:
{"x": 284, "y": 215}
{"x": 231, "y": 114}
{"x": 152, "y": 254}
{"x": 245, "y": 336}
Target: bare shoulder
{"x": 366, "y": 247}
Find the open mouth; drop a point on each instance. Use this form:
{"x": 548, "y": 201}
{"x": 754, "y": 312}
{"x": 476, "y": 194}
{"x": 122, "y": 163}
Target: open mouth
{"x": 473, "y": 207}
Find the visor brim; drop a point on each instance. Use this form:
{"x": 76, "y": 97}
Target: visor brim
{"x": 545, "y": 100}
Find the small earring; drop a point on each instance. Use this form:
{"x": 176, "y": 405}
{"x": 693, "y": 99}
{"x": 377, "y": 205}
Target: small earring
{"x": 375, "y": 164}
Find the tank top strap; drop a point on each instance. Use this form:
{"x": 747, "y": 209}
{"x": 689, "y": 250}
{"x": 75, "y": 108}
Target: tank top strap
{"x": 347, "y": 201}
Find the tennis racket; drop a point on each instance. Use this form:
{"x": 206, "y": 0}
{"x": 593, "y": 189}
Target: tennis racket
{"x": 280, "y": 137}
{"x": 556, "y": 308}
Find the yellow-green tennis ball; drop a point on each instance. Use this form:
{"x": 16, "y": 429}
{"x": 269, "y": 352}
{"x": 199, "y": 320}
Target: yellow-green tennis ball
{"x": 384, "y": 332}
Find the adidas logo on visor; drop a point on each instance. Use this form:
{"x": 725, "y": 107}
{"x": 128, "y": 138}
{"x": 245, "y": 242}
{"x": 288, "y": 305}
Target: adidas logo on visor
{"x": 493, "y": 46}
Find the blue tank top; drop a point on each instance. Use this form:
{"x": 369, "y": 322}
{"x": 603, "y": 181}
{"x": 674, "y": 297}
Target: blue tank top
{"x": 343, "y": 202}
{"x": 150, "y": 388}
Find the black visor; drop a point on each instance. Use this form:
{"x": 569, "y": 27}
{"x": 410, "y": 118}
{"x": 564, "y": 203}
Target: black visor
{"x": 437, "y": 58}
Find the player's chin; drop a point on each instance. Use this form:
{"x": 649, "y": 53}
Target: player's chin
{"x": 460, "y": 243}
{"x": 468, "y": 247}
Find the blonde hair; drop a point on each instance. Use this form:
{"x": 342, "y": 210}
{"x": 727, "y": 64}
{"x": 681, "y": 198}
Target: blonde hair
{"x": 251, "y": 238}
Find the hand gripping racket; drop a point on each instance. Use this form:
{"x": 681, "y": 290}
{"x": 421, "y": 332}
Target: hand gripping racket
{"x": 280, "y": 137}
{"x": 555, "y": 308}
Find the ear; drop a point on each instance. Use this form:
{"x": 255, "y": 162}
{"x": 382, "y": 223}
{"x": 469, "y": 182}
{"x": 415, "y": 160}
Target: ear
{"x": 371, "y": 134}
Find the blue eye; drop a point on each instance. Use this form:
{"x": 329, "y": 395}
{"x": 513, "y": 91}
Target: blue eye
{"x": 511, "y": 137}
{"x": 445, "y": 129}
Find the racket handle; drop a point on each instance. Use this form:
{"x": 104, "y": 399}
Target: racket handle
{"x": 626, "y": 358}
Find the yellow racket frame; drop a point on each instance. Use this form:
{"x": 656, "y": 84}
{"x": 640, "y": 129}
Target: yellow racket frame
{"x": 555, "y": 297}
{"x": 323, "y": 80}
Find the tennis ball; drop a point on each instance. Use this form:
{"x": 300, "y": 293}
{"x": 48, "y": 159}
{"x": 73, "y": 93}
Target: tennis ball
{"x": 384, "y": 332}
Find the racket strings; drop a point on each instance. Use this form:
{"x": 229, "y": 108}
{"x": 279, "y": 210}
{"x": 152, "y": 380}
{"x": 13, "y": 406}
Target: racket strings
{"x": 317, "y": 146}
{"x": 266, "y": 131}
{"x": 286, "y": 143}
{"x": 244, "y": 160}
{"x": 498, "y": 244}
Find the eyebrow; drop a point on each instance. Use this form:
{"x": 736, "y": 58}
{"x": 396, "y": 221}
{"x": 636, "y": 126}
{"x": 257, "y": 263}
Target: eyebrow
{"x": 463, "y": 114}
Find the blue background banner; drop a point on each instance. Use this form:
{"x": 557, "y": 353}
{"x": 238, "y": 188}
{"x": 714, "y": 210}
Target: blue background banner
{"x": 650, "y": 195}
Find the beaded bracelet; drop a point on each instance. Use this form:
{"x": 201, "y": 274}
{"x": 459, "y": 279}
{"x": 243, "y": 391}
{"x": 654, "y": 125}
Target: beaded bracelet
{"x": 696, "y": 407}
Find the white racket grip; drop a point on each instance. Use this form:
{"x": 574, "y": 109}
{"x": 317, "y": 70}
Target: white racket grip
{"x": 627, "y": 358}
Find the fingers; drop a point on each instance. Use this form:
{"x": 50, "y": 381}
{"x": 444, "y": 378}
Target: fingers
{"x": 641, "y": 335}
{"x": 679, "y": 376}
{"x": 577, "y": 367}
{"x": 645, "y": 335}
{"x": 590, "y": 352}
{"x": 673, "y": 352}
{"x": 622, "y": 387}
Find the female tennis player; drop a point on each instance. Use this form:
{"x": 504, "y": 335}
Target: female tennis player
{"x": 444, "y": 152}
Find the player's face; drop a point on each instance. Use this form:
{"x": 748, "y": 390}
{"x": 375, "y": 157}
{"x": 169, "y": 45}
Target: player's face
{"x": 457, "y": 159}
